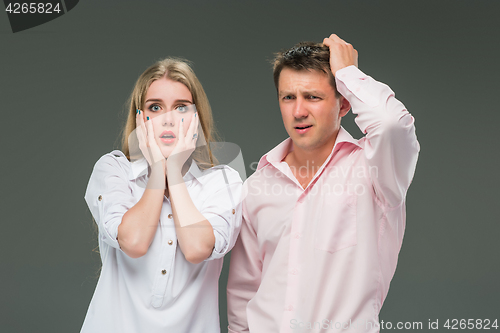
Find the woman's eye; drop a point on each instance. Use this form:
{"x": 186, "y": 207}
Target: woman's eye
{"x": 155, "y": 108}
{"x": 181, "y": 108}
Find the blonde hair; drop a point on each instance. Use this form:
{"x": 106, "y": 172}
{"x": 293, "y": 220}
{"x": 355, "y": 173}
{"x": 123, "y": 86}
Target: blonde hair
{"x": 175, "y": 69}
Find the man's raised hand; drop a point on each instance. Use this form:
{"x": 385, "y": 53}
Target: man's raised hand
{"x": 342, "y": 54}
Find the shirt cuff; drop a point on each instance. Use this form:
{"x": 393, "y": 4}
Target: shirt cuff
{"x": 350, "y": 80}
{"x": 221, "y": 243}
{"x": 229, "y": 330}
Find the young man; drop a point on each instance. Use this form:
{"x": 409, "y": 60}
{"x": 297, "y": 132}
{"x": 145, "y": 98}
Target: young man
{"x": 324, "y": 215}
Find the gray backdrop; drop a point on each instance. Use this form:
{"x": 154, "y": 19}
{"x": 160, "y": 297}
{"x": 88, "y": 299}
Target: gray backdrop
{"x": 63, "y": 88}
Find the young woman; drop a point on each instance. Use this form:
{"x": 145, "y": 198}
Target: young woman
{"x": 166, "y": 213}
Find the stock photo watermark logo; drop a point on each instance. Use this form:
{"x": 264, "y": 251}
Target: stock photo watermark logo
{"x": 340, "y": 180}
{"x": 357, "y": 325}
{"x": 26, "y": 15}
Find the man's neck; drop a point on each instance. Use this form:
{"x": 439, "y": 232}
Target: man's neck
{"x": 305, "y": 163}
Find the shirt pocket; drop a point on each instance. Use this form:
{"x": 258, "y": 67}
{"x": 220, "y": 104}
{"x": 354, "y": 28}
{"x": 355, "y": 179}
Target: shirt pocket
{"x": 336, "y": 228}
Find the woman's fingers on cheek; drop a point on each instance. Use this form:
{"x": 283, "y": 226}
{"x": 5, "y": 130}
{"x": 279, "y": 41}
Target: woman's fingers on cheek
{"x": 137, "y": 119}
{"x": 193, "y": 131}
{"x": 189, "y": 131}
{"x": 140, "y": 132}
{"x": 181, "y": 129}
{"x": 151, "y": 132}
{"x": 198, "y": 127}
{"x": 140, "y": 116}
{"x": 196, "y": 122}
{"x": 141, "y": 128}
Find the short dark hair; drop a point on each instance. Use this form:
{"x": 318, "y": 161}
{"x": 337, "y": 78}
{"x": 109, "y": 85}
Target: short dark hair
{"x": 304, "y": 56}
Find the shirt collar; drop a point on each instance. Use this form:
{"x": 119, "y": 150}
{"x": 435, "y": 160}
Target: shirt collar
{"x": 194, "y": 172}
{"x": 279, "y": 152}
{"x": 138, "y": 168}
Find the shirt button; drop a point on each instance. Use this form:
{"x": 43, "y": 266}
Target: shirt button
{"x": 289, "y": 307}
{"x": 164, "y": 272}
{"x": 296, "y": 235}
{"x": 99, "y": 198}
{"x": 234, "y": 211}
{"x": 169, "y": 216}
{"x": 170, "y": 242}
{"x": 295, "y": 272}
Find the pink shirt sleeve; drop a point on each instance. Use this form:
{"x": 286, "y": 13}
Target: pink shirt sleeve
{"x": 390, "y": 145}
{"x": 244, "y": 276}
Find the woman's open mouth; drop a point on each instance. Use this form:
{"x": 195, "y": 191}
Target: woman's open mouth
{"x": 167, "y": 136}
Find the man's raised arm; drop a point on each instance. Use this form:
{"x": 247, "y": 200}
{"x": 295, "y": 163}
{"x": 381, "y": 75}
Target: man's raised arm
{"x": 390, "y": 144}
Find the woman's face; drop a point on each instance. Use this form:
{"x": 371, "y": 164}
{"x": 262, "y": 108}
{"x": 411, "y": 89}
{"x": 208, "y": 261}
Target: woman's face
{"x": 167, "y": 102}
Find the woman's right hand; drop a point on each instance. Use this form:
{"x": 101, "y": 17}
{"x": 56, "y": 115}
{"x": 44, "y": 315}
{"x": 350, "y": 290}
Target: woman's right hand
{"x": 138, "y": 226}
{"x": 147, "y": 142}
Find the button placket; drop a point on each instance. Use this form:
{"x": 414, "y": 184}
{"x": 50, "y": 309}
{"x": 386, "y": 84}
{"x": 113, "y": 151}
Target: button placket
{"x": 293, "y": 264}
{"x": 165, "y": 261}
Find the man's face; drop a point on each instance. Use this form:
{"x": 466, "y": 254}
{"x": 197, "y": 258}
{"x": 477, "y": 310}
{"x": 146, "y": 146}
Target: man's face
{"x": 310, "y": 110}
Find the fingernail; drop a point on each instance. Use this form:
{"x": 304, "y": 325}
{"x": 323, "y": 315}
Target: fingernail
{"x": 136, "y": 111}
{"x": 182, "y": 119}
{"x": 195, "y": 114}
{"x": 147, "y": 118}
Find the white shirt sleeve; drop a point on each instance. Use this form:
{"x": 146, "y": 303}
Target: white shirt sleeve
{"x": 109, "y": 196}
{"x": 222, "y": 209}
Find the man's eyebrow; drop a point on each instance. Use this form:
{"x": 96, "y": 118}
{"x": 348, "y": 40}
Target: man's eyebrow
{"x": 303, "y": 92}
{"x": 284, "y": 93}
{"x": 313, "y": 92}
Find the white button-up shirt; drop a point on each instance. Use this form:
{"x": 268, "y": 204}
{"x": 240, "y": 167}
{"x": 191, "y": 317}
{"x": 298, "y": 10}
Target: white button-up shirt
{"x": 321, "y": 259}
{"x": 161, "y": 291}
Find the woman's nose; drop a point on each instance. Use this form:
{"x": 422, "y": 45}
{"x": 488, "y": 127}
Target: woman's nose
{"x": 168, "y": 119}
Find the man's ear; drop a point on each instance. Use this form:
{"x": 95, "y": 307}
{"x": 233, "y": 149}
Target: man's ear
{"x": 345, "y": 106}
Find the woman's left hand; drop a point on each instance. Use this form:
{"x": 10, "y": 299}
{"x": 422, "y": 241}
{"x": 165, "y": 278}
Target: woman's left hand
{"x": 185, "y": 146}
